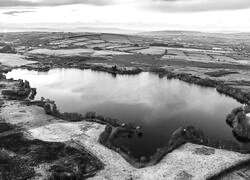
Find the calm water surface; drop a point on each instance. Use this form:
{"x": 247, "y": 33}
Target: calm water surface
{"x": 158, "y": 105}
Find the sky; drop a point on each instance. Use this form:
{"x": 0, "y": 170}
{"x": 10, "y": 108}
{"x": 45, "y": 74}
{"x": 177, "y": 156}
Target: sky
{"x": 142, "y": 15}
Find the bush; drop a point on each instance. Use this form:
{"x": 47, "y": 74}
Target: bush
{"x": 241, "y": 117}
{"x": 90, "y": 115}
{"x": 72, "y": 117}
{"x": 97, "y": 48}
{"x": 8, "y": 49}
{"x": 4, "y": 157}
{"x": 47, "y": 108}
{"x": 230, "y": 118}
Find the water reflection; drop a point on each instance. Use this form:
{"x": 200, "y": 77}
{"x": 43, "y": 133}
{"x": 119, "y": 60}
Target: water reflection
{"x": 159, "y": 105}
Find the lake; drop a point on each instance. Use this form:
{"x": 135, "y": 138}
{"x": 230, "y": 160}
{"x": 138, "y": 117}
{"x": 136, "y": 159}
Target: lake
{"x": 158, "y": 105}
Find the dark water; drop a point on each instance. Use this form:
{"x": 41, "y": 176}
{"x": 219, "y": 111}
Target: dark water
{"x": 158, "y": 105}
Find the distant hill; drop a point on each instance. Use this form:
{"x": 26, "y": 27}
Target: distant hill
{"x": 55, "y": 28}
{"x": 106, "y": 30}
{"x": 168, "y": 32}
{"x": 234, "y": 35}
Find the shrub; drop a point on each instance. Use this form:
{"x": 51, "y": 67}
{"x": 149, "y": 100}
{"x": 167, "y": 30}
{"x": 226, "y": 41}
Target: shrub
{"x": 90, "y": 115}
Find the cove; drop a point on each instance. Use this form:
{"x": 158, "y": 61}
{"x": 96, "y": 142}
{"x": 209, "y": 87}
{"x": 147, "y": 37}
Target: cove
{"x": 158, "y": 105}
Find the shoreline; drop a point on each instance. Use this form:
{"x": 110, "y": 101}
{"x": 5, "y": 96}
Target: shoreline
{"x": 221, "y": 87}
{"x": 107, "y": 136}
{"x": 123, "y": 169}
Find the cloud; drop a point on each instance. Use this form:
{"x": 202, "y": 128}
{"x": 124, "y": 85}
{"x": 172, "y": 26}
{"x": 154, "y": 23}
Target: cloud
{"x": 34, "y": 3}
{"x": 14, "y": 13}
{"x": 157, "y": 5}
{"x": 195, "y": 5}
